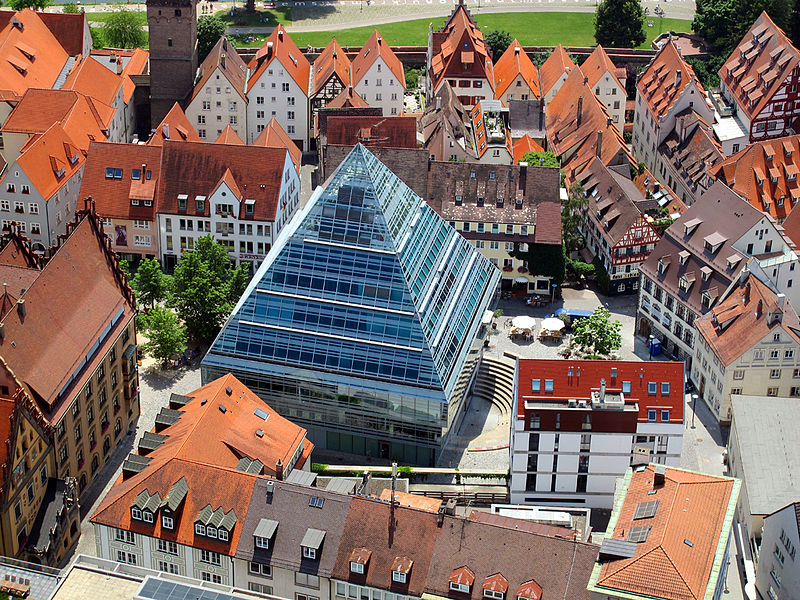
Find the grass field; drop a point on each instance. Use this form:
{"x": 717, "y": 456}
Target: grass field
{"x": 260, "y": 18}
{"x": 102, "y": 17}
{"x": 531, "y": 28}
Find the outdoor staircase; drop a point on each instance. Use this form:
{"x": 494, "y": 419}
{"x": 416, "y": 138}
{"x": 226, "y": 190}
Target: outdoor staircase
{"x": 495, "y": 383}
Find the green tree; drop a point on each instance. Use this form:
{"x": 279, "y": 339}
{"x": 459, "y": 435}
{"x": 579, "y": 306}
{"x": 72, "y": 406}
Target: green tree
{"x": 34, "y": 4}
{"x": 723, "y": 23}
{"x": 546, "y": 260}
{"x": 619, "y": 24}
{"x": 70, "y": 8}
{"x": 200, "y": 302}
{"x": 498, "y": 41}
{"x": 534, "y": 158}
{"x": 572, "y": 216}
{"x": 122, "y": 30}
{"x": 209, "y": 29}
{"x": 149, "y": 282}
{"x": 165, "y": 334}
{"x": 598, "y": 334}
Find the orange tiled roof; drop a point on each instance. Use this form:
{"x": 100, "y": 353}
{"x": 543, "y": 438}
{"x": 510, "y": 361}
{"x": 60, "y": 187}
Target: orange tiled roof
{"x": 332, "y": 60}
{"x": 482, "y": 144}
{"x": 215, "y": 431}
{"x": 376, "y": 47}
{"x": 664, "y": 80}
{"x": 279, "y": 44}
{"x": 691, "y": 508}
{"x": 137, "y": 64}
{"x": 515, "y": 61}
{"x": 30, "y": 56}
{"x": 174, "y": 126}
{"x": 598, "y": 64}
{"x": 50, "y": 159}
{"x": 462, "y": 47}
{"x": 273, "y": 136}
{"x": 223, "y": 56}
{"x": 553, "y": 68}
{"x": 574, "y": 139}
{"x": 229, "y": 136}
{"x": 412, "y": 500}
{"x": 765, "y": 174}
{"x": 735, "y": 325}
{"x": 759, "y": 66}
{"x": 525, "y": 144}
{"x": 348, "y": 98}
{"x": 92, "y": 79}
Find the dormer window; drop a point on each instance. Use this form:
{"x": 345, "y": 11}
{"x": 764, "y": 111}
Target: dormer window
{"x": 401, "y": 567}
{"x": 356, "y": 568}
{"x": 530, "y": 590}
{"x": 683, "y": 256}
{"x": 263, "y": 534}
{"x": 398, "y": 577}
{"x": 311, "y": 543}
{"x": 359, "y": 558}
{"x": 662, "y": 266}
{"x": 167, "y": 522}
{"x": 136, "y": 514}
{"x": 495, "y": 587}
{"x": 461, "y": 580}
{"x": 459, "y": 587}
{"x": 200, "y": 203}
{"x": 147, "y": 516}
{"x": 309, "y": 553}
{"x": 199, "y": 529}
{"x": 182, "y": 200}
{"x": 211, "y": 532}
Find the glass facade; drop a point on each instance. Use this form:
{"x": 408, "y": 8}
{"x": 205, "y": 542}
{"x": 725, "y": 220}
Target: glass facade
{"x": 362, "y": 320}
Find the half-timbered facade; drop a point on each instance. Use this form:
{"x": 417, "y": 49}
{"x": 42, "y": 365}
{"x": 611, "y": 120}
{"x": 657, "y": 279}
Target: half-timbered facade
{"x": 331, "y": 75}
{"x": 615, "y": 227}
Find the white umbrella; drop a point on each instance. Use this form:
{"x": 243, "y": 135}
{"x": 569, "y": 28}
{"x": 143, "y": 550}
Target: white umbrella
{"x": 553, "y": 324}
{"x": 521, "y": 279}
{"x": 523, "y": 322}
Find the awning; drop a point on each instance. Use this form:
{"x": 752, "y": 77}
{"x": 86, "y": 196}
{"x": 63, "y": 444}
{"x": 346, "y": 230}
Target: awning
{"x": 313, "y": 538}
{"x": 266, "y": 528}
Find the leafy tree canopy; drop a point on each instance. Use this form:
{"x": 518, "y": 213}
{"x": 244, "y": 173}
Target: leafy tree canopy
{"x": 723, "y": 23}
{"x": 34, "y": 4}
{"x": 122, "y": 30}
{"x": 149, "y": 282}
{"x": 70, "y": 8}
{"x": 533, "y": 158}
{"x": 498, "y": 41}
{"x": 598, "y": 334}
{"x": 619, "y": 24}
{"x": 209, "y": 29}
{"x": 166, "y": 336}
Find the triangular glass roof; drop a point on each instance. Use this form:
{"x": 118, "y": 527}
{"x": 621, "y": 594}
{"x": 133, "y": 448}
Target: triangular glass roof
{"x": 367, "y": 281}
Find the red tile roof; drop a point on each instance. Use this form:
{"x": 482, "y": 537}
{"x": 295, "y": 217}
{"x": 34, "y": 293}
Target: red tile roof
{"x": 273, "y": 136}
{"x": 515, "y": 62}
{"x": 137, "y": 65}
{"x": 376, "y": 47}
{"x": 50, "y": 159}
{"x": 113, "y": 196}
{"x": 463, "y": 51}
{"x": 30, "y": 56}
{"x": 525, "y": 144}
{"x": 174, "y": 126}
{"x": 463, "y": 575}
{"x": 749, "y": 314}
{"x": 759, "y": 66}
{"x": 332, "y": 61}
{"x": 554, "y": 68}
{"x": 92, "y": 79}
{"x": 223, "y": 57}
{"x": 68, "y": 29}
{"x": 348, "y": 97}
{"x": 598, "y": 64}
{"x": 196, "y": 169}
{"x": 765, "y": 173}
{"x": 412, "y": 500}
{"x": 688, "y": 533}
{"x": 215, "y": 431}
{"x": 73, "y": 300}
{"x": 791, "y": 228}
{"x": 665, "y": 79}
{"x": 279, "y": 44}
{"x": 639, "y": 374}
{"x": 390, "y": 132}
{"x": 229, "y": 136}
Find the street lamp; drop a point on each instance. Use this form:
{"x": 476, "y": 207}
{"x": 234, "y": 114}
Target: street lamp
{"x": 650, "y": 339}
{"x": 694, "y": 407}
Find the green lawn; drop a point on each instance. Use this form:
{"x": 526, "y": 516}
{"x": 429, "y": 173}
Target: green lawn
{"x": 282, "y": 15}
{"x": 102, "y": 17}
{"x": 531, "y": 28}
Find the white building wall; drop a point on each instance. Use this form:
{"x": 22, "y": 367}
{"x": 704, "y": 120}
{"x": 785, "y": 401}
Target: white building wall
{"x": 778, "y": 567}
{"x": 216, "y": 106}
{"x": 518, "y": 90}
{"x": 276, "y": 94}
{"x": 380, "y": 87}
{"x": 613, "y": 96}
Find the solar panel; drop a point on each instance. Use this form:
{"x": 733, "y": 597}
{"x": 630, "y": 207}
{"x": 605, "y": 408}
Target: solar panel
{"x": 646, "y": 510}
{"x": 638, "y": 534}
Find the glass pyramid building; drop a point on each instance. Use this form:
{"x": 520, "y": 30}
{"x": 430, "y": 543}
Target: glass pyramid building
{"x": 362, "y": 322}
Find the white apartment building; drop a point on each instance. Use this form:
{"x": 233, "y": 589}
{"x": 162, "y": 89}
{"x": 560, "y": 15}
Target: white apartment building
{"x": 608, "y": 83}
{"x": 378, "y": 76}
{"x": 778, "y": 569}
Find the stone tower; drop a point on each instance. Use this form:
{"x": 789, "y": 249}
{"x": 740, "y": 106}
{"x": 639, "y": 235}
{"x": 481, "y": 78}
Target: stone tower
{"x": 173, "y": 53}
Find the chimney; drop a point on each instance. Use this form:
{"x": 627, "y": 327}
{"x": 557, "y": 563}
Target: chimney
{"x": 516, "y": 49}
{"x": 269, "y": 48}
{"x": 438, "y": 103}
{"x": 119, "y": 66}
{"x": 165, "y": 131}
{"x": 603, "y": 390}
{"x": 21, "y": 308}
{"x": 279, "y": 470}
{"x": 599, "y": 143}
{"x": 580, "y": 110}
{"x": 280, "y": 34}
{"x": 222, "y": 60}
{"x": 380, "y": 40}
{"x": 781, "y": 300}
{"x": 659, "y": 473}
{"x": 678, "y": 77}
{"x": 144, "y": 172}
{"x": 759, "y": 309}
{"x": 609, "y": 121}
{"x": 585, "y": 80}
{"x": 747, "y": 293}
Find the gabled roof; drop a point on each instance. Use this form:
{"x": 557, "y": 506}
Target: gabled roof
{"x": 279, "y": 44}
{"x": 224, "y": 422}
{"x": 349, "y": 98}
{"x": 746, "y": 317}
{"x": 566, "y": 386}
{"x": 394, "y": 132}
{"x": 39, "y": 109}
{"x": 376, "y": 47}
{"x": 273, "y": 136}
{"x": 515, "y": 62}
{"x": 463, "y": 51}
{"x": 597, "y": 64}
{"x": 112, "y": 196}
{"x": 229, "y": 136}
{"x": 76, "y": 297}
{"x": 174, "y": 126}
{"x": 573, "y": 118}
{"x": 332, "y": 61}
{"x": 50, "y": 159}
{"x": 91, "y": 78}
{"x": 525, "y": 144}
{"x": 686, "y": 541}
{"x": 446, "y": 115}
{"x": 791, "y": 228}
{"x": 223, "y": 57}
{"x": 30, "y": 56}
{"x": 759, "y": 66}
{"x": 764, "y": 173}
{"x": 195, "y": 169}
{"x": 691, "y": 148}
{"x": 137, "y": 65}
{"x": 68, "y": 29}
{"x": 665, "y": 79}
{"x": 554, "y": 68}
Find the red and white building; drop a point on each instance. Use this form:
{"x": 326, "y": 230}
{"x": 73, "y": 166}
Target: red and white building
{"x": 579, "y": 424}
